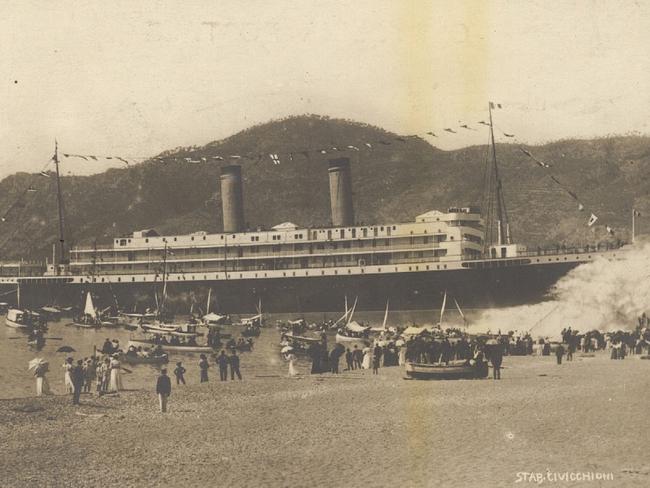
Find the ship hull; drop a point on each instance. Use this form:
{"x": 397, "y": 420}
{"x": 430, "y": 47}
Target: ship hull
{"x": 473, "y": 288}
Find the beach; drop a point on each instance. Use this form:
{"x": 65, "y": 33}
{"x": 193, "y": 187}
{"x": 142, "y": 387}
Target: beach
{"x": 585, "y": 416}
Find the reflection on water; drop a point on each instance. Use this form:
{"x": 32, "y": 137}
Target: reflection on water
{"x": 265, "y": 358}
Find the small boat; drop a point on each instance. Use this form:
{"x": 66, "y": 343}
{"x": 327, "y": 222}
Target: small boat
{"x": 162, "y": 358}
{"x": 4, "y": 307}
{"x": 298, "y": 345}
{"x": 52, "y": 313}
{"x": 461, "y": 369}
{"x": 254, "y": 321}
{"x": 212, "y": 319}
{"x": 353, "y": 332}
{"x": 23, "y": 320}
{"x": 177, "y": 342}
{"x": 131, "y": 321}
{"x": 90, "y": 319}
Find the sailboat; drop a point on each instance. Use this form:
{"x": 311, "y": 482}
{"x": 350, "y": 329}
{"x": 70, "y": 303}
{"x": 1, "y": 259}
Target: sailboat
{"x": 353, "y": 330}
{"x": 383, "y": 327}
{"x": 90, "y": 319}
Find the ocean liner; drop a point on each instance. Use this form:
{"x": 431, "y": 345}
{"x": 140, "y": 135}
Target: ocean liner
{"x": 288, "y": 268}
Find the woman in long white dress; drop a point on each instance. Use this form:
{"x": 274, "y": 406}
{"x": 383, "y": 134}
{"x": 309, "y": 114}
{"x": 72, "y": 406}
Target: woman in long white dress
{"x": 367, "y": 358}
{"x": 67, "y": 376}
{"x": 292, "y": 367}
{"x": 116, "y": 376}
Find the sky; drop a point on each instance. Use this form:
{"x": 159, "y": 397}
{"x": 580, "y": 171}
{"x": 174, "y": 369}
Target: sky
{"x": 136, "y": 78}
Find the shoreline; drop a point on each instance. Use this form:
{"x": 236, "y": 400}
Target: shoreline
{"x": 585, "y": 415}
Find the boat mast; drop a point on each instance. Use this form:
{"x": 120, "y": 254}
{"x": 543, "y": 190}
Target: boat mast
{"x": 502, "y": 225}
{"x": 63, "y": 259}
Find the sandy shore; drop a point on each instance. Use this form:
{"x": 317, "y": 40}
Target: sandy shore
{"x": 587, "y": 416}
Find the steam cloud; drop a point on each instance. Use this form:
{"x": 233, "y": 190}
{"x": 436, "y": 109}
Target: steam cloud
{"x": 603, "y": 294}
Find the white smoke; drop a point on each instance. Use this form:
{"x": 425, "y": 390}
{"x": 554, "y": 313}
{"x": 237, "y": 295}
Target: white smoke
{"x": 603, "y": 294}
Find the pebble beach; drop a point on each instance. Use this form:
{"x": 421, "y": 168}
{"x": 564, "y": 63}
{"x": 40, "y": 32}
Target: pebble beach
{"x": 589, "y": 415}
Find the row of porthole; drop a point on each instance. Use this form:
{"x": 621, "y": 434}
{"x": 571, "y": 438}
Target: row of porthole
{"x": 557, "y": 259}
{"x": 284, "y": 274}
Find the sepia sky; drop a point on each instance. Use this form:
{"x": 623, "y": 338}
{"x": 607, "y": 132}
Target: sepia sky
{"x": 136, "y": 78}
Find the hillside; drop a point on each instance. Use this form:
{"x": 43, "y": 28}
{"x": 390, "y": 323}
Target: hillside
{"x": 391, "y": 183}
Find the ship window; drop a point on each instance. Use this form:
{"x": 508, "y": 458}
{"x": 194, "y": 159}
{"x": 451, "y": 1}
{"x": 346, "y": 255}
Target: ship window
{"x": 119, "y": 279}
{"x": 365, "y": 232}
{"x": 427, "y": 267}
{"x": 192, "y": 238}
{"x": 379, "y": 269}
{"x": 221, "y": 237}
{"x": 342, "y": 233}
{"x": 252, "y": 238}
{"x": 204, "y": 238}
{"x": 146, "y": 240}
{"x": 394, "y": 227}
{"x": 122, "y": 242}
{"x": 354, "y": 233}
{"x": 451, "y": 238}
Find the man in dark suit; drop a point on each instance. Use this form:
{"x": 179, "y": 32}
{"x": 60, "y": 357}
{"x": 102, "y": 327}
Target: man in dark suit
{"x": 223, "y": 361}
{"x": 163, "y": 389}
{"x": 78, "y": 380}
{"x": 234, "y": 365}
{"x": 348, "y": 360}
{"x": 357, "y": 357}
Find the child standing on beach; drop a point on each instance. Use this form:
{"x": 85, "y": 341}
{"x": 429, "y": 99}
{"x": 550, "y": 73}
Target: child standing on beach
{"x": 179, "y": 372}
{"x": 203, "y": 366}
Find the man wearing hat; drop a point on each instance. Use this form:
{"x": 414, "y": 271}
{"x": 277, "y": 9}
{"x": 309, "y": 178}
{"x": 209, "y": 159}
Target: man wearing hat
{"x": 163, "y": 389}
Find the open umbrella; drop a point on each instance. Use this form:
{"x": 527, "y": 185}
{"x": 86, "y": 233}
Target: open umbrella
{"x": 36, "y": 362}
{"x": 65, "y": 349}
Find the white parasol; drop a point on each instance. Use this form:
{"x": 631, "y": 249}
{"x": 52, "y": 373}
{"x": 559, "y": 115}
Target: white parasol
{"x": 36, "y": 362}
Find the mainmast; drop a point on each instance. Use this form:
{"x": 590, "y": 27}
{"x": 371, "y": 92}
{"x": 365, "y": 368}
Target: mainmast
{"x": 494, "y": 197}
{"x": 63, "y": 258}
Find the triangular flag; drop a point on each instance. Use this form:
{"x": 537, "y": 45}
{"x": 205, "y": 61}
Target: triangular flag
{"x": 447, "y": 129}
{"x": 432, "y": 134}
{"x": 592, "y": 220}
{"x": 581, "y": 207}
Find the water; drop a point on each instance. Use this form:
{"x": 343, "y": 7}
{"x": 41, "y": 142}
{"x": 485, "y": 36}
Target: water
{"x": 265, "y": 359}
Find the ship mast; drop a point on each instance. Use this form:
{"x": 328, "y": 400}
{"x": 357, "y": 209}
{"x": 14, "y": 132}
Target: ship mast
{"x": 63, "y": 259}
{"x": 494, "y": 196}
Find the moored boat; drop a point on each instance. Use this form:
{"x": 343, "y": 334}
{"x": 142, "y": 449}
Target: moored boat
{"x": 461, "y": 369}
{"x": 136, "y": 358}
{"x": 177, "y": 342}
{"x": 23, "y": 320}
{"x": 353, "y": 332}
